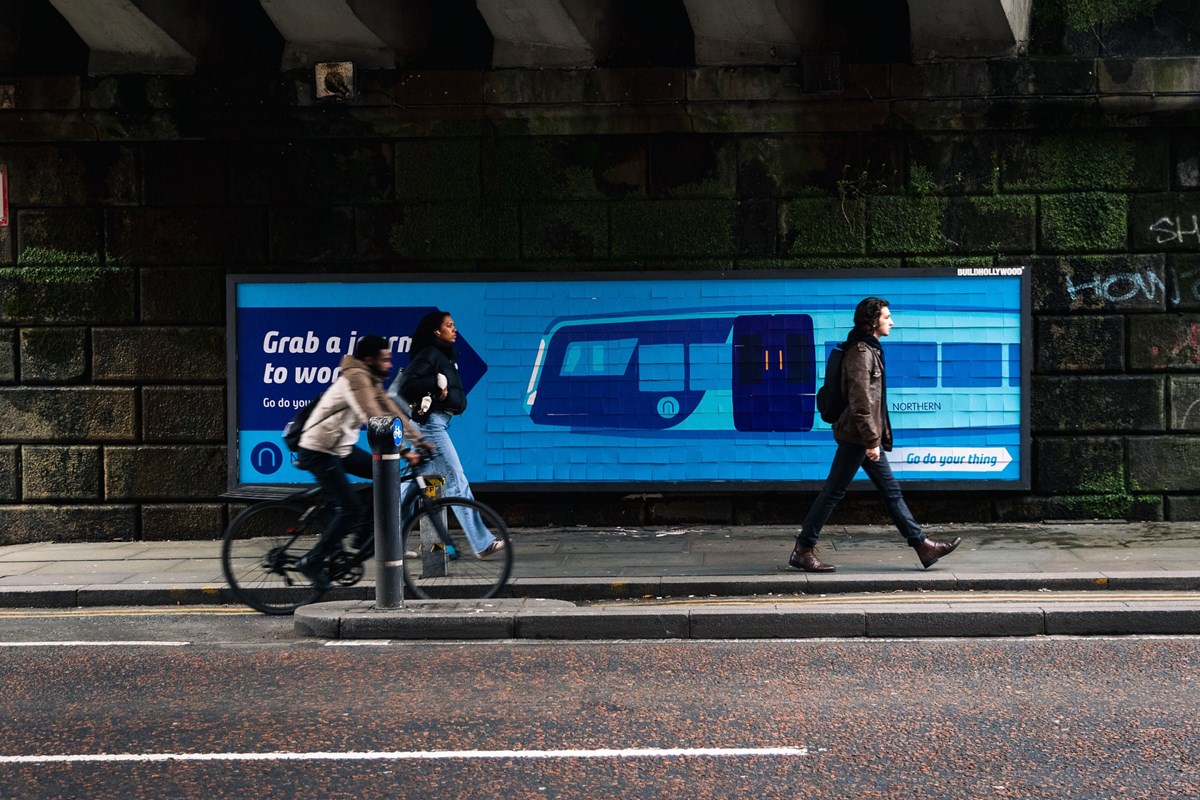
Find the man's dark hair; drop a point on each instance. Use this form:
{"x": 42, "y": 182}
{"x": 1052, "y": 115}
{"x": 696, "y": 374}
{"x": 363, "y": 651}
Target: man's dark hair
{"x": 867, "y": 314}
{"x": 370, "y": 346}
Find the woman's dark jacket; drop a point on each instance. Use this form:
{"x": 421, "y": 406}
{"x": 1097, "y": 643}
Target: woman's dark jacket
{"x": 420, "y": 378}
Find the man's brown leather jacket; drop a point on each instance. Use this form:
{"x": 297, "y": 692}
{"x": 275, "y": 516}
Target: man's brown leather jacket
{"x": 864, "y": 421}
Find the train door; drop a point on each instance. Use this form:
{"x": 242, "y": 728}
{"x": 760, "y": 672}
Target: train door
{"x": 774, "y": 372}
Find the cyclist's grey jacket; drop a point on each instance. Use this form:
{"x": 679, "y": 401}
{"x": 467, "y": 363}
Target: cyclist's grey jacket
{"x": 356, "y": 396}
{"x": 865, "y": 421}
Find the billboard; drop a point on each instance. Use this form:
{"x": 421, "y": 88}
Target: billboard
{"x": 605, "y": 381}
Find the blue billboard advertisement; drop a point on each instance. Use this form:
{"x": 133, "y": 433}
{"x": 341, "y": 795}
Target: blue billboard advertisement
{"x": 656, "y": 381}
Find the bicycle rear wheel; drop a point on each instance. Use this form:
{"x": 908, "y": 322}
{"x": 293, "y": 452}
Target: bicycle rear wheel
{"x": 445, "y": 565}
{"x": 259, "y": 554}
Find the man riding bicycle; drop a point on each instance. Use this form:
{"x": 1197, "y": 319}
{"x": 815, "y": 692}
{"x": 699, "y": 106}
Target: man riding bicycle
{"x": 329, "y": 449}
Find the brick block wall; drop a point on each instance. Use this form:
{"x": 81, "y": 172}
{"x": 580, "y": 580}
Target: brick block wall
{"x": 112, "y": 352}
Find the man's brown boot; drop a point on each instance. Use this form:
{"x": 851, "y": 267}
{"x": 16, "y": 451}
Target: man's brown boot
{"x": 805, "y": 558}
{"x": 930, "y": 551}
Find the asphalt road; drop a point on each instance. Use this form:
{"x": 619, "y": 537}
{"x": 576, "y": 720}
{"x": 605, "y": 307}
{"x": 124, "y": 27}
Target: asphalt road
{"x": 187, "y": 703}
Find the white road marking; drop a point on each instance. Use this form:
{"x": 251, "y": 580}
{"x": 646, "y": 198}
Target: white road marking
{"x": 418, "y": 755}
{"x": 95, "y": 644}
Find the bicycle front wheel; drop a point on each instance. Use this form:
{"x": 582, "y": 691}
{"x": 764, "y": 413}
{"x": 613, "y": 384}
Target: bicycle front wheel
{"x": 259, "y": 554}
{"x": 444, "y": 565}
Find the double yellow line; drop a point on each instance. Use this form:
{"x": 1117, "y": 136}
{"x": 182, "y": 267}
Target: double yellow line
{"x": 921, "y": 598}
{"x": 152, "y": 611}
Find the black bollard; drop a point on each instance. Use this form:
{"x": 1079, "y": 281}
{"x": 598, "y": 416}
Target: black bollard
{"x": 385, "y": 435}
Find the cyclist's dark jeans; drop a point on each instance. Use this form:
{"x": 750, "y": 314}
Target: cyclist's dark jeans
{"x": 846, "y": 461}
{"x": 330, "y": 471}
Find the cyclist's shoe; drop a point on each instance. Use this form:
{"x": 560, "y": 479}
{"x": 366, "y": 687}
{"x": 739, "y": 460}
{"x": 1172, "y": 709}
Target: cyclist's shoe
{"x": 495, "y": 547}
{"x": 451, "y": 550}
{"x": 361, "y": 539}
{"x": 315, "y": 571}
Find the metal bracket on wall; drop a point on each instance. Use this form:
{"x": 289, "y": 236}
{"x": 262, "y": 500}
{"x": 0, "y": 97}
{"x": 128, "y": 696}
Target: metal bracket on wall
{"x": 334, "y": 80}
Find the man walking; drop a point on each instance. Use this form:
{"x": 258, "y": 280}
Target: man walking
{"x": 864, "y": 434}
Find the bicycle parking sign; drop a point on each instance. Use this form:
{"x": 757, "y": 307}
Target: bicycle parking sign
{"x": 658, "y": 381}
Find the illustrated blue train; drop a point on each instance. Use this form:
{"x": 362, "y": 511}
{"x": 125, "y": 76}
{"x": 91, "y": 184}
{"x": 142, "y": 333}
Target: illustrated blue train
{"x": 759, "y": 369}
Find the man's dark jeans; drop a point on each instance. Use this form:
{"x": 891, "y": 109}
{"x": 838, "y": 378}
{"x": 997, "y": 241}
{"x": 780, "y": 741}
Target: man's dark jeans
{"x": 846, "y": 461}
{"x": 330, "y": 471}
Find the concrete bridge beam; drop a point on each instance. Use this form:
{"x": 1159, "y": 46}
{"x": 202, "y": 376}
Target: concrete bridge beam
{"x": 968, "y": 28}
{"x": 326, "y": 30}
{"x": 754, "y": 31}
{"x": 538, "y": 33}
{"x": 124, "y": 39}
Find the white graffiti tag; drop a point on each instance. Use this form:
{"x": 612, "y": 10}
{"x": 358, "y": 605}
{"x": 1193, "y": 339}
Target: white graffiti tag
{"x": 1119, "y": 287}
{"x": 1171, "y": 229}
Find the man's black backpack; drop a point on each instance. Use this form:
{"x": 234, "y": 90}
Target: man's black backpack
{"x": 292, "y": 431}
{"x": 830, "y": 400}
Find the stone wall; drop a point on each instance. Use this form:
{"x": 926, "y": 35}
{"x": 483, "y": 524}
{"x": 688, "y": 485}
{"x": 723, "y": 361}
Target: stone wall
{"x": 132, "y": 198}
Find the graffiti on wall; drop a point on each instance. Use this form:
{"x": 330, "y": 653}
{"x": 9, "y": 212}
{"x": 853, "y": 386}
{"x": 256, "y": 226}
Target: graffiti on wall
{"x": 1117, "y": 287}
{"x": 1136, "y": 286}
{"x": 1176, "y": 229}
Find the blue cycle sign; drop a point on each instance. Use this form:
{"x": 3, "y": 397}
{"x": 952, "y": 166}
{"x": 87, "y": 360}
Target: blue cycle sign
{"x": 661, "y": 380}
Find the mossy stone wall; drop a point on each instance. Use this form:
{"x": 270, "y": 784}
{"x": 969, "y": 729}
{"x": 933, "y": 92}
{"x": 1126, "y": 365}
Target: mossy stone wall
{"x": 132, "y": 203}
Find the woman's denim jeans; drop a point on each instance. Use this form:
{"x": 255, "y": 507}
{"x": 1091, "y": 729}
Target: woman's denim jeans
{"x": 446, "y": 463}
{"x": 846, "y": 461}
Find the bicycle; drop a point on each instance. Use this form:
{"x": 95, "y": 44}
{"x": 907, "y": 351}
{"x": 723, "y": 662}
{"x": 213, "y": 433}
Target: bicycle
{"x": 262, "y": 544}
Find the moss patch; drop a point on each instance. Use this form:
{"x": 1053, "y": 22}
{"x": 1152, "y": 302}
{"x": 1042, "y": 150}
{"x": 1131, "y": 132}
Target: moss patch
{"x": 1084, "y": 15}
{"x": 60, "y": 287}
{"x": 1107, "y": 495}
{"x": 1087, "y": 221}
{"x": 673, "y": 228}
{"x": 439, "y": 169}
{"x": 950, "y": 261}
{"x": 818, "y": 263}
{"x": 820, "y": 227}
{"x": 908, "y": 225}
{"x": 565, "y": 230}
{"x": 58, "y": 262}
{"x": 558, "y": 167}
{"x": 1071, "y": 161}
{"x": 455, "y": 231}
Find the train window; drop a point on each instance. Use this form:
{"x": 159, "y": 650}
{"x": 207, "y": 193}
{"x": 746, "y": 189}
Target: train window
{"x": 748, "y": 348}
{"x": 660, "y": 368}
{"x": 798, "y": 361}
{"x": 600, "y": 358}
{"x": 911, "y": 365}
{"x": 708, "y": 367}
{"x": 971, "y": 364}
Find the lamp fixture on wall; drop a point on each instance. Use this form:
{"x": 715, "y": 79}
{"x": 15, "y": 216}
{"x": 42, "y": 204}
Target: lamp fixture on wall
{"x": 334, "y": 80}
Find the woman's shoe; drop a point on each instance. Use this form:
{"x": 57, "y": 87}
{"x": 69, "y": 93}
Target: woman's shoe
{"x": 495, "y": 547}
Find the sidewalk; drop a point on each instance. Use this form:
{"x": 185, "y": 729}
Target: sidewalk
{"x": 1009, "y": 579}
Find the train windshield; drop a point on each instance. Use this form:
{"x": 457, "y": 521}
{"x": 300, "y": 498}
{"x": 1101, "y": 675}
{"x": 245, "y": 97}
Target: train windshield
{"x": 597, "y": 358}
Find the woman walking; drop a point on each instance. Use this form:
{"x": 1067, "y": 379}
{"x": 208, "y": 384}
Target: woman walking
{"x": 432, "y": 375}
